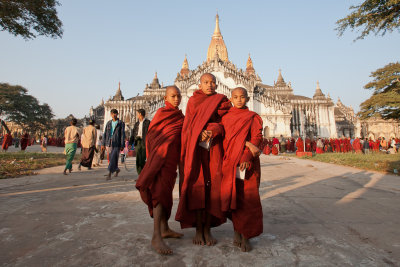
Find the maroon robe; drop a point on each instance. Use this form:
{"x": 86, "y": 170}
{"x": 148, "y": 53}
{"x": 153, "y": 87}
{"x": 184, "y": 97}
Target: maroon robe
{"x": 200, "y": 184}
{"x": 241, "y": 198}
{"x": 24, "y": 141}
{"x": 157, "y": 179}
{"x": 300, "y": 145}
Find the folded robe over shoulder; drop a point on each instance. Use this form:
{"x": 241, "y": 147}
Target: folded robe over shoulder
{"x": 157, "y": 179}
{"x": 201, "y": 181}
{"x": 240, "y": 198}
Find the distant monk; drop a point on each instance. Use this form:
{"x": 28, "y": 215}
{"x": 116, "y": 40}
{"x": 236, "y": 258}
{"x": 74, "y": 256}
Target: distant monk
{"x": 320, "y": 147}
{"x": 157, "y": 179}
{"x": 240, "y": 197}
{"x": 357, "y": 146}
{"x": 299, "y": 145}
{"x": 308, "y": 144}
{"x": 267, "y": 149}
{"x": 337, "y": 145}
{"x": 7, "y": 141}
{"x": 24, "y": 141}
{"x": 202, "y": 152}
{"x": 88, "y": 140}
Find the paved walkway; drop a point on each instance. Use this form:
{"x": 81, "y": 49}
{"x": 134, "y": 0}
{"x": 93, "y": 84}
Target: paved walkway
{"x": 315, "y": 214}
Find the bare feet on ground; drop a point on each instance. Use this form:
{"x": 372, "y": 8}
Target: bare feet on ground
{"x": 160, "y": 247}
{"x": 245, "y": 246}
{"x": 198, "y": 239}
{"x": 210, "y": 240}
{"x": 108, "y": 176}
{"x": 171, "y": 234}
{"x": 116, "y": 173}
{"x": 237, "y": 239}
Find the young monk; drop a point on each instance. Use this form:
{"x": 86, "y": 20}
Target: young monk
{"x": 157, "y": 178}
{"x": 200, "y": 184}
{"x": 240, "y": 199}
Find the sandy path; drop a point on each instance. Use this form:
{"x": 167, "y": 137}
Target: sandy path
{"x": 315, "y": 214}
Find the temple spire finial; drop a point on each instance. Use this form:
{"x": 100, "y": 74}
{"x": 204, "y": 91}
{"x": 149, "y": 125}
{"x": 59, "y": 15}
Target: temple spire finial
{"x": 217, "y": 31}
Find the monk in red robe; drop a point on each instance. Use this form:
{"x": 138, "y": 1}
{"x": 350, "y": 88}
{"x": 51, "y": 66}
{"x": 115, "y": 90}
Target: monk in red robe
{"x": 24, "y": 141}
{"x": 7, "y": 141}
{"x": 202, "y": 152}
{"x": 157, "y": 179}
{"x": 357, "y": 146}
{"x": 308, "y": 144}
{"x": 299, "y": 145}
{"x": 240, "y": 198}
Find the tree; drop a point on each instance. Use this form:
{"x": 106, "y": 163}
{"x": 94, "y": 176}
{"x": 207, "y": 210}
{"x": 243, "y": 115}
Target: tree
{"x": 377, "y": 16}
{"x": 30, "y": 18}
{"x": 385, "y": 101}
{"x": 23, "y": 109}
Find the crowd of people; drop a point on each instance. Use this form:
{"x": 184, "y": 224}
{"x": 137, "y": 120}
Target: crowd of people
{"x": 275, "y": 146}
{"x": 215, "y": 147}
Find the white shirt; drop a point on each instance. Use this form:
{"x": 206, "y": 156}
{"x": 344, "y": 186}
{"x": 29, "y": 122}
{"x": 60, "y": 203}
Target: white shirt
{"x": 140, "y": 131}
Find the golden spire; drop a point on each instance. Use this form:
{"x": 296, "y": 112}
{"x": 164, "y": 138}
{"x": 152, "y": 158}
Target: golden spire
{"x": 217, "y": 31}
{"x": 185, "y": 67}
{"x": 249, "y": 63}
{"x": 217, "y": 44}
{"x": 185, "y": 64}
{"x": 249, "y": 66}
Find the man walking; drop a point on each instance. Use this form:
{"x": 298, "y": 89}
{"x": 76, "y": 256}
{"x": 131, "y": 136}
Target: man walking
{"x": 88, "y": 141}
{"x": 114, "y": 137}
{"x": 138, "y": 138}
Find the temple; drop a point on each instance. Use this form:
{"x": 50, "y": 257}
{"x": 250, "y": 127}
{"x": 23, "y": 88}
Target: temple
{"x": 282, "y": 111}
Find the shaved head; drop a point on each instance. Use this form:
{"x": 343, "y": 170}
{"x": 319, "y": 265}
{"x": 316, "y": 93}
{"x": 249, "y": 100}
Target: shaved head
{"x": 172, "y": 89}
{"x": 243, "y": 90}
{"x": 173, "y": 95}
{"x": 207, "y": 75}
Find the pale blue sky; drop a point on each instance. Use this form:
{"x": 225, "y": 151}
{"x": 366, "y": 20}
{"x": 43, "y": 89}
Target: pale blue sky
{"x": 106, "y": 42}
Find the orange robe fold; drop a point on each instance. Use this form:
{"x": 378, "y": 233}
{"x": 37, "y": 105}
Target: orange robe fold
{"x": 157, "y": 179}
{"x": 200, "y": 184}
{"x": 240, "y": 198}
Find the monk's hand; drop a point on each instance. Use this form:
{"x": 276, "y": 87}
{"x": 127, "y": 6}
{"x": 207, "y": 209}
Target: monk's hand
{"x": 204, "y": 136}
{"x": 253, "y": 149}
{"x": 244, "y": 165}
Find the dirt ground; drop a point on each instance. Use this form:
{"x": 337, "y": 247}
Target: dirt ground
{"x": 315, "y": 214}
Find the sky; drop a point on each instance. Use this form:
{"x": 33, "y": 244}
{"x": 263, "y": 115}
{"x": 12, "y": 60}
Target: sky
{"x": 106, "y": 42}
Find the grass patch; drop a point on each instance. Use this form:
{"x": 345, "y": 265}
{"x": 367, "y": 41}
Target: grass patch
{"x": 20, "y": 164}
{"x": 375, "y": 161}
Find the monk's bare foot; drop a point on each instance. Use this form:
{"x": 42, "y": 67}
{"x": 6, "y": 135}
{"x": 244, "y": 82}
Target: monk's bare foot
{"x": 237, "y": 239}
{"x": 171, "y": 234}
{"x": 198, "y": 239}
{"x": 245, "y": 246}
{"x": 160, "y": 247}
{"x": 116, "y": 173}
{"x": 210, "y": 240}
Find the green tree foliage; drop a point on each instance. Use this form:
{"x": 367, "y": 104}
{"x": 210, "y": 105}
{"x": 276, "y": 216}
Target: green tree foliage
{"x": 385, "y": 101}
{"x": 30, "y": 18}
{"x": 375, "y": 16}
{"x": 23, "y": 109}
